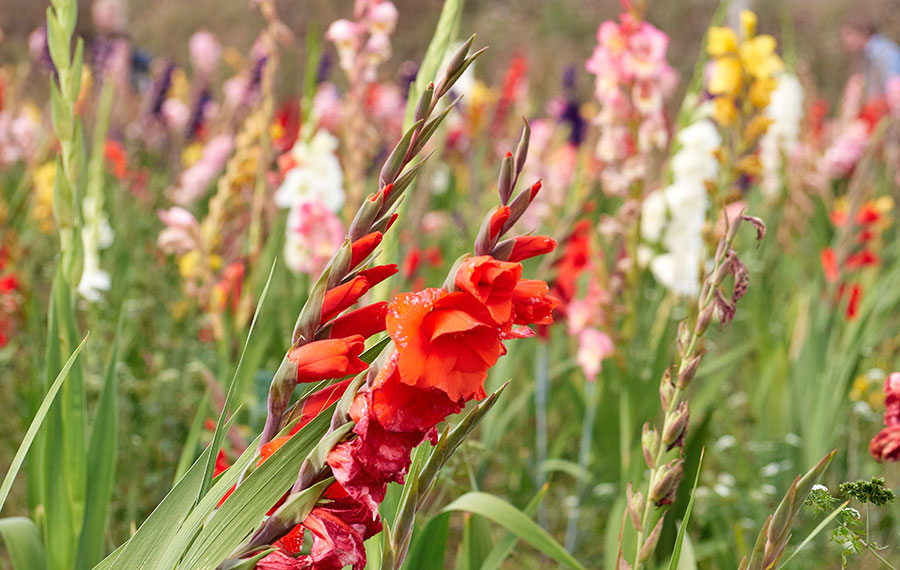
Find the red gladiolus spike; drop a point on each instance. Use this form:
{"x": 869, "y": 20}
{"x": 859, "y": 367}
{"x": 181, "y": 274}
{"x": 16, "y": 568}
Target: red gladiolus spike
{"x": 343, "y": 296}
{"x": 864, "y": 258}
{"x": 329, "y": 358}
{"x": 829, "y": 264}
{"x": 491, "y": 282}
{"x": 364, "y": 321}
{"x": 363, "y": 247}
{"x": 853, "y": 302}
{"x": 377, "y": 274}
{"x": 498, "y": 218}
{"x": 526, "y": 247}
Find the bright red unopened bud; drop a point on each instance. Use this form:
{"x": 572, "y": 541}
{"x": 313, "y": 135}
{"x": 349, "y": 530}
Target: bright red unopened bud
{"x": 343, "y": 296}
{"x": 386, "y": 191}
{"x": 498, "y": 218}
{"x": 330, "y": 358}
{"x": 864, "y": 258}
{"x": 535, "y": 188}
{"x": 364, "y": 246}
{"x": 526, "y": 247}
{"x": 377, "y": 274}
{"x": 391, "y": 221}
{"x": 364, "y": 321}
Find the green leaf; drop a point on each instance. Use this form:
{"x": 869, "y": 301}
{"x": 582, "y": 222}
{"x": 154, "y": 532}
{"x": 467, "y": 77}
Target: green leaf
{"x": 446, "y": 31}
{"x": 679, "y": 542}
{"x": 36, "y": 424}
{"x": 219, "y": 434}
{"x": 23, "y": 543}
{"x": 193, "y": 437}
{"x": 505, "y": 547}
{"x": 427, "y": 552}
{"x": 102, "y": 451}
{"x": 515, "y": 521}
{"x": 247, "y": 506}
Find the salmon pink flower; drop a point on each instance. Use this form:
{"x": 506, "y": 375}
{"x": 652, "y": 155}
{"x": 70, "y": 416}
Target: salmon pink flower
{"x": 329, "y": 358}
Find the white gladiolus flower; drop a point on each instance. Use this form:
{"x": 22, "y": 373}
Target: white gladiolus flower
{"x": 317, "y": 177}
{"x": 675, "y": 216}
{"x": 786, "y": 112}
{"x": 96, "y": 234}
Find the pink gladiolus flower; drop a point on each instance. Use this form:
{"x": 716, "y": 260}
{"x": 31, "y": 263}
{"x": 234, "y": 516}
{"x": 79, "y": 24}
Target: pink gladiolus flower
{"x": 205, "y": 52}
{"x": 313, "y": 235}
{"x": 182, "y": 232}
{"x": 594, "y": 346}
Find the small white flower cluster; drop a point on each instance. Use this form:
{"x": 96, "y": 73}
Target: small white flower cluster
{"x": 96, "y": 234}
{"x": 313, "y": 191}
{"x": 786, "y": 112}
{"x": 675, "y": 216}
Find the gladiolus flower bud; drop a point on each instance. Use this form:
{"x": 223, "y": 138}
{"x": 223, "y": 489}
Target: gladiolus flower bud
{"x": 651, "y": 540}
{"x": 331, "y": 358}
{"x": 687, "y": 374}
{"x": 365, "y": 216}
{"x": 377, "y": 274}
{"x": 342, "y": 297}
{"x": 365, "y": 321}
{"x": 526, "y": 247}
{"x": 666, "y": 389}
{"x": 503, "y": 250}
{"x": 364, "y": 246}
{"x": 649, "y": 444}
{"x": 704, "y": 319}
{"x": 498, "y": 219}
{"x": 520, "y": 203}
{"x": 505, "y": 184}
{"x": 665, "y": 483}
{"x": 675, "y": 425}
{"x": 635, "y": 507}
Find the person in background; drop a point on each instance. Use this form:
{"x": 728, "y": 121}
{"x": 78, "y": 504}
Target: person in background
{"x": 881, "y": 54}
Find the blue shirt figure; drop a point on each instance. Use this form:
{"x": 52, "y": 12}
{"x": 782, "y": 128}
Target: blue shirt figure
{"x": 882, "y": 63}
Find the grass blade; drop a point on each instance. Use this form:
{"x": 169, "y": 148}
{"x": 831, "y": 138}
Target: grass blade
{"x": 679, "y": 542}
{"x": 23, "y": 543}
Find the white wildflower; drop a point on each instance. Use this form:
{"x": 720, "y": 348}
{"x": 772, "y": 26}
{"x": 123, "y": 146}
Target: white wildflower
{"x": 317, "y": 177}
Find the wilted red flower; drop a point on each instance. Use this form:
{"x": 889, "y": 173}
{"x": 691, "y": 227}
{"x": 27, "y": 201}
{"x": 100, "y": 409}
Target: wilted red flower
{"x": 329, "y": 358}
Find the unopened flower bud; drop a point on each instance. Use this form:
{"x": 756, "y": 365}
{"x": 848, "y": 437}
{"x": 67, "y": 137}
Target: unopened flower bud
{"x": 522, "y": 149}
{"x": 650, "y": 543}
{"x": 704, "y": 319}
{"x": 723, "y": 271}
{"x": 666, "y": 388}
{"x": 650, "y": 444}
{"x": 340, "y": 265}
{"x": 687, "y": 373}
{"x": 503, "y": 250}
{"x": 635, "y": 507}
{"x": 675, "y": 424}
{"x": 365, "y": 216}
{"x": 505, "y": 183}
{"x": 665, "y": 482}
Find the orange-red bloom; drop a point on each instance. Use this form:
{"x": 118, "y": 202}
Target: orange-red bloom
{"x": 526, "y": 247}
{"x": 491, "y": 282}
{"x": 533, "y": 304}
{"x": 329, "y": 358}
{"x": 446, "y": 341}
{"x": 829, "y": 264}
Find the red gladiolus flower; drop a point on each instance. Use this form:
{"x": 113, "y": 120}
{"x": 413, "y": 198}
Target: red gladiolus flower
{"x": 829, "y": 264}
{"x": 853, "y": 303}
{"x": 365, "y": 321}
{"x": 533, "y": 304}
{"x": 363, "y": 247}
{"x": 491, "y": 282}
{"x": 329, "y": 358}
{"x": 412, "y": 261}
{"x": 116, "y": 158}
{"x": 9, "y": 283}
{"x": 862, "y": 259}
{"x": 526, "y": 247}
{"x": 886, "y": 445}
{"x": 446, "y": 341}
{"x": 343, "y": 296}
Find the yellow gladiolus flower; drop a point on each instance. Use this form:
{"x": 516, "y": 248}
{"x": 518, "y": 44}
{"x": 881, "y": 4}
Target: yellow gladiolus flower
{"x": 759, "y": 57}
{"x": 727, "y": 77}
{"x": 188, "y": 264}
{"x": 44, "y": 180}
{"x": 761, "y": 91}
{"x": 724, "y": 111}
{"x": 191, "y": 154}
{"x": 748, "y": 23}
{"x": 721, "y": 41}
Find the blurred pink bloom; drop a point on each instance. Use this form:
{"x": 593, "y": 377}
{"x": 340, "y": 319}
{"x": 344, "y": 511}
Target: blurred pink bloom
{"x": 382, "y": 18}
{"x": 892, "y": 93}
{"x": 176, "y": 114}
{"x": 646, "y": 55}
{"x": 594, "y": 346}
{"x": 182, "y": 232}
{"x": 193, "y": 182}
{"x": 314, "y": 233}
{"x": 841, "y": 157}
{"x": 886, "y": 445}
{"x": 852, "y": 99}
{"x": 328, "y": 107}
{"x": 205, "y": 52}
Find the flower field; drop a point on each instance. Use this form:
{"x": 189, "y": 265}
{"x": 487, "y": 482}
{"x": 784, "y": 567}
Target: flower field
{"x": 340, "y": 285}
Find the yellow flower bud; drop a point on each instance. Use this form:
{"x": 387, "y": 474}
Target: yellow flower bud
{"x": 721, "y": 41}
